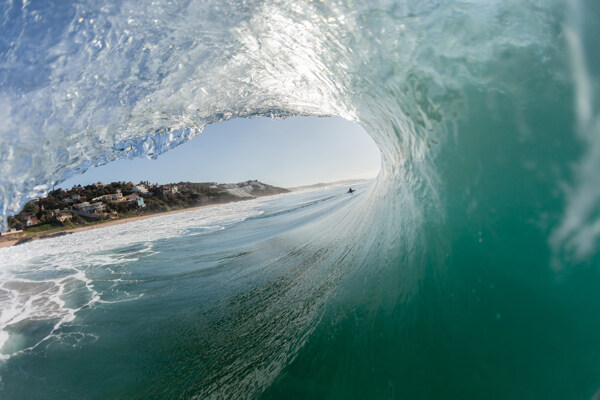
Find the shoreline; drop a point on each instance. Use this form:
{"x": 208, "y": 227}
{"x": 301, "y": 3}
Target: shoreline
{"x": 8, "y": 243}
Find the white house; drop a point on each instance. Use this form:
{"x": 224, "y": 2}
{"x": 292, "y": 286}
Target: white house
{"x": 140, "y": 189}
{"x": 32, "y": 221}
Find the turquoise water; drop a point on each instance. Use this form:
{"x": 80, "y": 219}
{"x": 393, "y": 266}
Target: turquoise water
{"x": 468, "y": 269}
{"x": 176, "y": 306}
{"x": 255, "y": 299}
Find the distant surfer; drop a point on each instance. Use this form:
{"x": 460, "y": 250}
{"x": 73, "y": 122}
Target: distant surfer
{"x": 351, "y": 190}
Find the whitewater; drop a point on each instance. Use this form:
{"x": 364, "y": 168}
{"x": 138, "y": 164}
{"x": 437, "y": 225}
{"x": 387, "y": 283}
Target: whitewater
{"x": 468, "y": 269}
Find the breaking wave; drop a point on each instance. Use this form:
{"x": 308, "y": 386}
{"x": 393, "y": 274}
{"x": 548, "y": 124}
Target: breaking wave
{"x": 474, "y": 256}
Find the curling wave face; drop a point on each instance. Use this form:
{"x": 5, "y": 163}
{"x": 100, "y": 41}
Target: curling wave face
{"x": 473, "y": 261}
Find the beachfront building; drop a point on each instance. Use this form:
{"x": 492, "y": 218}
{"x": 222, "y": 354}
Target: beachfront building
{"x": 32, "y": 221}
{"x": 135, "y": 199}
{"x": 93, "y": 210}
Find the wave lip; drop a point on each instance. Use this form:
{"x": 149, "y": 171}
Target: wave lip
{"x": 477, "y": 248}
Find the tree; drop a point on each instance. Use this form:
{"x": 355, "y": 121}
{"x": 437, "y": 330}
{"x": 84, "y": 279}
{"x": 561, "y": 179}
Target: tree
{"x": 30, "y": 207}
{"x": 15, "y": 223}
{"x": 77, "y": 219}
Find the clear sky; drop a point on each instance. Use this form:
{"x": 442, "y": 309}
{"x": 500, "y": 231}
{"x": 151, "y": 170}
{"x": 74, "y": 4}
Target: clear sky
{"x": 291, "y": 152}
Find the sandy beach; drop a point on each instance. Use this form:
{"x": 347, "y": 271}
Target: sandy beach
{"x": 7, "y": 243}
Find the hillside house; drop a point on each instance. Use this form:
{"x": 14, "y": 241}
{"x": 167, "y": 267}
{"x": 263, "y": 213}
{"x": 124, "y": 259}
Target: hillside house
{"x": 93, "y": 210}
{"x": 63, "y": 216}
{"x": 32, "y": 221}
{"x": 114, "y": 197}
{"x": 135, "y": 199}
{"x": 74, "y": 198}
{"x": 169, "y": 189}
{"x": 26, "y": 215}
{"x": 140, "y": 189}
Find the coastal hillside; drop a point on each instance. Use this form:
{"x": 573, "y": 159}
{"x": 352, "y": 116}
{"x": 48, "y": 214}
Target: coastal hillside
{"x": 82, "y": 205}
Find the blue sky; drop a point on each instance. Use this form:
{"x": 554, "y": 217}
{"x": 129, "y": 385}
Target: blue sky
{"x": 291, "y": 152}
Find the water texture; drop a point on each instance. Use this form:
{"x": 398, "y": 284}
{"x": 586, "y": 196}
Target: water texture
{"x": 469, "y": 269}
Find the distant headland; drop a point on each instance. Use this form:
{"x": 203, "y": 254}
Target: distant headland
{"x": 85, "y": 207}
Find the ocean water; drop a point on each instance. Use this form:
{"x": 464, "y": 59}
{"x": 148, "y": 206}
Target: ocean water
{"x": 177, "y": 306}
{"x": 468, "y": 269}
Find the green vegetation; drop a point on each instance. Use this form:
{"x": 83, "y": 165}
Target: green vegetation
{"x": 82, "y": 206}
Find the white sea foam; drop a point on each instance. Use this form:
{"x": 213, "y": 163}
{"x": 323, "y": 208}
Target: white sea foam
{"x": 49, "y": 281}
